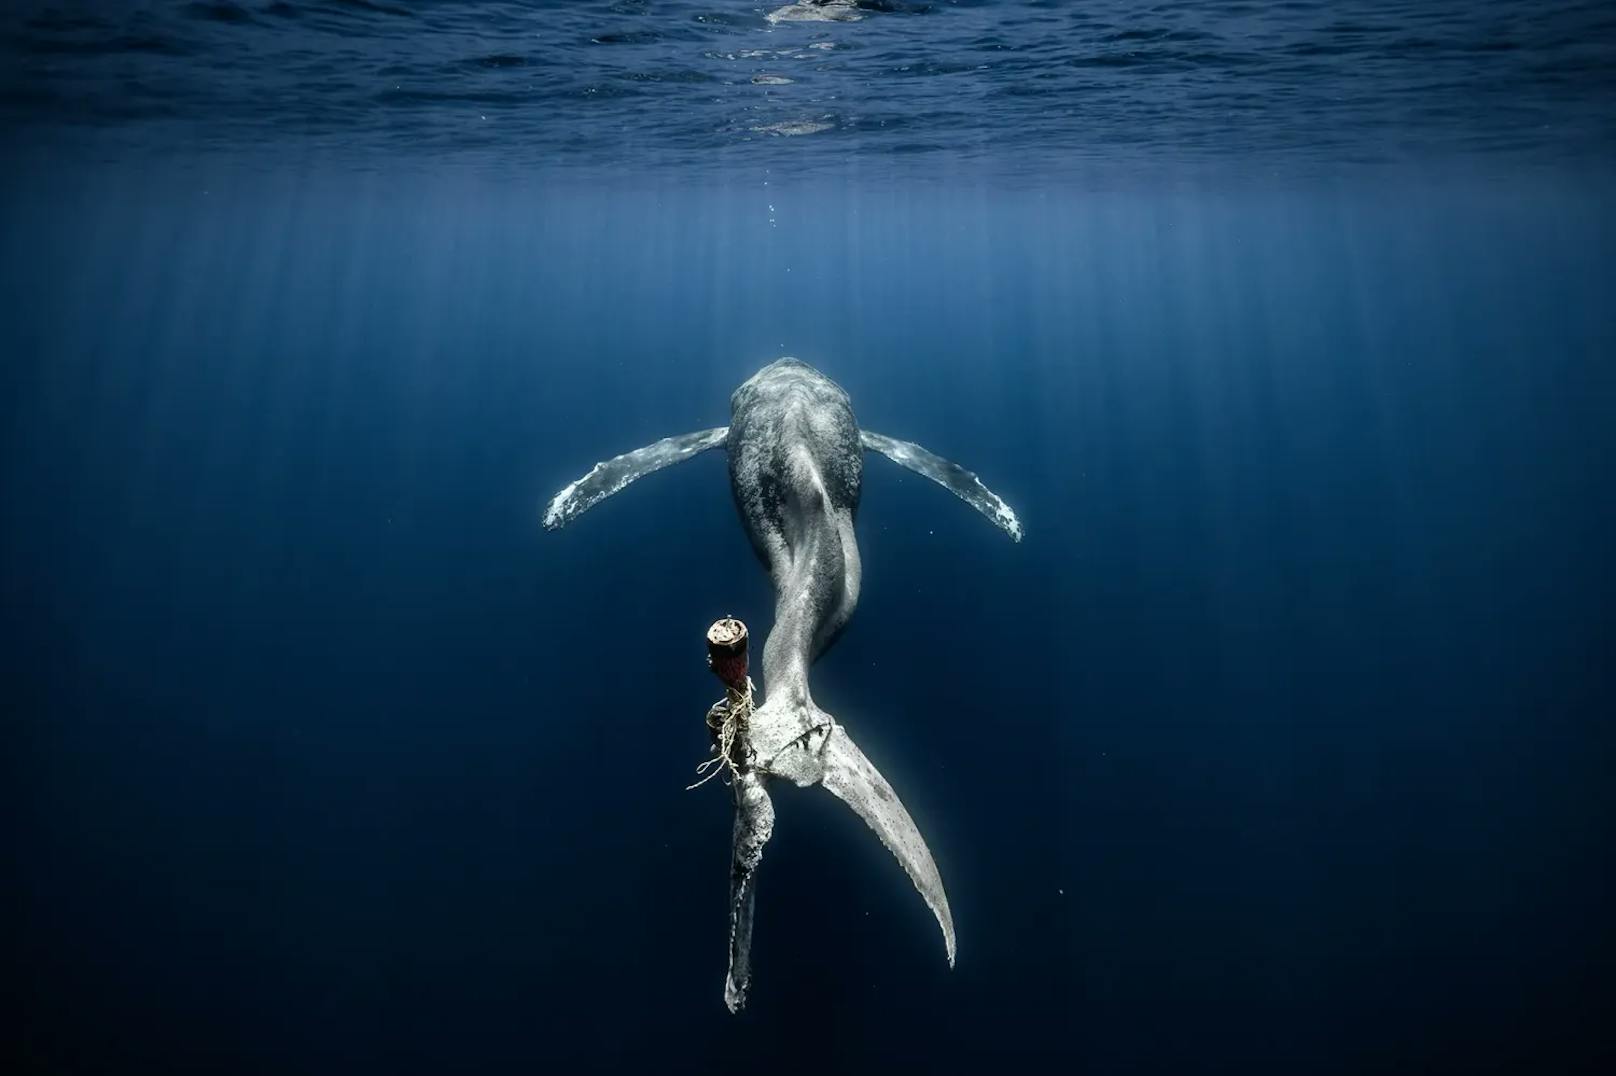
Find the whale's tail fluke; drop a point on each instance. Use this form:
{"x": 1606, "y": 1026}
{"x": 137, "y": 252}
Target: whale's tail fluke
{"x": 803, "y": 744}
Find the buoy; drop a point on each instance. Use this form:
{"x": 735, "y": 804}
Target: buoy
{"x": 726, "y": 652}
{"x": 729, "y": 716}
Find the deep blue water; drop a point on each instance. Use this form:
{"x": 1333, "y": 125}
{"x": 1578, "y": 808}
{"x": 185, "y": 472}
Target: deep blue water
{"x": 1280, "y": 745}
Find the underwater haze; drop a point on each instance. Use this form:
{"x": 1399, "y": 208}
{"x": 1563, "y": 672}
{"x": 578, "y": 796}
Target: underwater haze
{"x": 1280, "y": 744}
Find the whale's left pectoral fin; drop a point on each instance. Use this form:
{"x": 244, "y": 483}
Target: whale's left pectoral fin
{"x": 606, "y": 478}
{"x": 948, "y": 474}
{"x": 854, "y": 780}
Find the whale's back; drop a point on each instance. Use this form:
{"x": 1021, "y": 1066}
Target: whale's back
{"x": 793, "y": 443}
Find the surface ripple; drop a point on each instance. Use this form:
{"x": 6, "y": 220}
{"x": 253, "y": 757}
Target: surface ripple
{"x": 1032, "y": 84}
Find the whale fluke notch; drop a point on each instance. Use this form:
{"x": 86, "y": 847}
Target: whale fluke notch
{"x": 948, "y": 474}
{"x": 609, "y": 476}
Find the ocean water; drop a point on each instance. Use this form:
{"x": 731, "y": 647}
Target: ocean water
{"x": 1281, "y": 743}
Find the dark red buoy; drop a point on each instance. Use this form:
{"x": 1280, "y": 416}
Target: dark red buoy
{"x": 726, "y": 652}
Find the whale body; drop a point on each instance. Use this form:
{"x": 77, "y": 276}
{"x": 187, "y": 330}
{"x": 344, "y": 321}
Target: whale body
{"x": 796, "y": 467}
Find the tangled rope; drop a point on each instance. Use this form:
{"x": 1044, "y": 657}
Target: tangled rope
{"x": 728, "y": 719}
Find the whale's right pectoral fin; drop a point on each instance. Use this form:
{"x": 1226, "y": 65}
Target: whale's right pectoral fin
{"x": 605, "y": 479}
{"x": 948, "y": 474}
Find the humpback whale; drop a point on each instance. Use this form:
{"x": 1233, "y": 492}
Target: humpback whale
{"x": 796, "y": 467}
